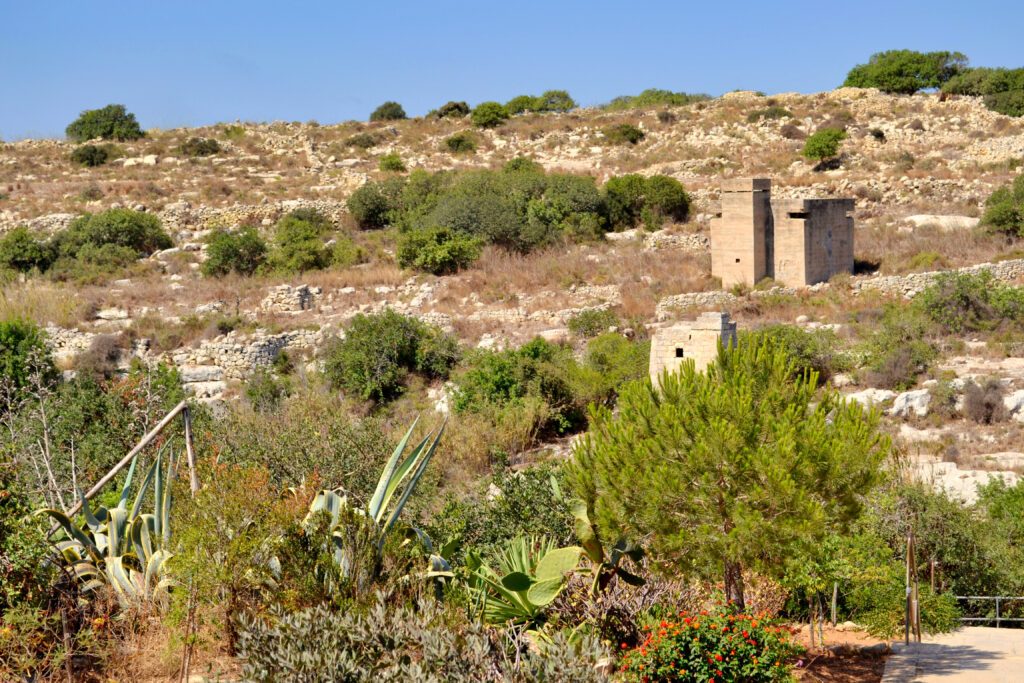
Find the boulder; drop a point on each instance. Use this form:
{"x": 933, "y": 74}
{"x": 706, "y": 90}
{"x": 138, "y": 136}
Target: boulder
{"x": 206, "y": 389}
{"x": 908, "y": 402}
{"x": 191, "y": 374}
{"x": 112, "y": 314}
{"x": 945, "y": 223}
{"x": 1014, "y": 402}
{"x": 871, "y": 397}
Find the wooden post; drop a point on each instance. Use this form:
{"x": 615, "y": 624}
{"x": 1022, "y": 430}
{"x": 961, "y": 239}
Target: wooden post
{"x": 145, "y": 441}
{"x": 190, "y": 452}
{"x": 906, "y": 611}
{"x": 835, "y": 599}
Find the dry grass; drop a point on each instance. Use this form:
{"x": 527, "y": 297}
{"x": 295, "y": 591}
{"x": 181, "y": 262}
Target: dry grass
{"x": 927, "y": 247}
{"x": 44, "y": 303}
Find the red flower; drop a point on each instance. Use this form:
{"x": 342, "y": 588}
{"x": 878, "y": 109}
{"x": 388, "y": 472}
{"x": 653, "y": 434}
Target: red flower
{"x": 718, "y": 657}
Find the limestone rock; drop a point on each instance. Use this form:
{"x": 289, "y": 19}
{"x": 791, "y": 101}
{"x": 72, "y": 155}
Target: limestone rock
{"x": 871, "y": 397}
{"x": 908, "y": 402}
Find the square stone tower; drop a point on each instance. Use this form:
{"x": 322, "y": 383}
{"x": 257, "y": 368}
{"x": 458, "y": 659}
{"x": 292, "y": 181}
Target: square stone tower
{"x": 697, "y": 340}
{"x": 741, "y": 237}
{"x": 797, "y": 242}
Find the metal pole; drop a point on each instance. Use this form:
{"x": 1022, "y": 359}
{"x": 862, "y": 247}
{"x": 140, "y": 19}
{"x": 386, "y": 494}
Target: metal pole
{"x": 906, "y": 613}
{"x": 131, "y": 454}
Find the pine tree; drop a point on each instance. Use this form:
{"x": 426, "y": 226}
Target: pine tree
{"x": 745, "y": 466}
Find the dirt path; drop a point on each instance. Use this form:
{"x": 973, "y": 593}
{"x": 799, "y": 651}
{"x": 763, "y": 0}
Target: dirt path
{"x": 968, "y": 655}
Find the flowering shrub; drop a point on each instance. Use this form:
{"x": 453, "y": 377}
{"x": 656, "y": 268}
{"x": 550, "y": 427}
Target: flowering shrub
{"x": 708, "y": 647}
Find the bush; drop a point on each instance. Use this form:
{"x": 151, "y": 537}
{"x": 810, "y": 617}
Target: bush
{"x": 1004, "y": 209}
{"x": 362, "y": 141}
{"x": 452, "y": 110}
{"x": 983, "y": 403}
{"x": 810, "y": 350}
{"x": 133, "y": 230}
{"x": 520, "y": 104}
{"x": 392, "y": 162}
{"x": 346, "y": 253}
{"x": 489, "y": 115}
{"x": 633, "y": 199}
{"x": 792, "y": 132}
{"x": 112, "y": 122}
{"x": 906, "y": 71}
{"x": 421, "y": 644}
{"x": 898, "y": 351}
{"x": 554, "y": 101}
{"x": 90, "y": 156}
{"x": 623, "y": 133}
{"x": 773, "y": 112}
{"x": 592, "y": 322}
{"x": 299, "y": 244}
{"x": 1002, "y": 89}
{"x": 264, "y": 392}
{"x": 23, "y": 353}
{"x": 372, "y": 204}
{"x": 440, "y": 251}
{"x": 240, "y": 251}
{"x": 25, "y": 570}
{"x": 20, "y": 250}
{"x": 199, "y": 147}
{"x": 460, "y": 142}
{"x": 389, "y": 111}
{"x": 717, "y": 646}
{"x": 654, "y": 97}
{"x": 965, "y": 302}
{"x": 380, "y": 350}
{"x": 610, "y": 362}
{"x": 823, "y": 144}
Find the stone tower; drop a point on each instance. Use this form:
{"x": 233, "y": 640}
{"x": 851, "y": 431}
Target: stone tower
{"x": 697, "y": 340}
{"x": 797, "y": 242}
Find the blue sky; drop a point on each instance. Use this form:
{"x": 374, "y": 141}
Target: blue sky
{"x": 193, "y": 62}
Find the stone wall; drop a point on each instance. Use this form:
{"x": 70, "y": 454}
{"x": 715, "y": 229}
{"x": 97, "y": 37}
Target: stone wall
{"x": 238, "y": 355}
{"x": 182, "y": 216}
{"x": 911, "y": 285}
{"x": 291, "y": 299}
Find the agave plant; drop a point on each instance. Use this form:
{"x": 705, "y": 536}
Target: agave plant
{"x": 401, "y": 473}
{"x": 531, "y": 573}
{"x": 120, "y": 547}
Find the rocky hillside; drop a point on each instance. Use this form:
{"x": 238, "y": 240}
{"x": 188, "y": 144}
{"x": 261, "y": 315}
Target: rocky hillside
{"x": 920, "y": 168}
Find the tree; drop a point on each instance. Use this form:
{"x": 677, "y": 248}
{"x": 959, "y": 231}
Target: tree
{"x": 135, "y": 230}
{"x": 489, "y": 114}
{"x": 1004, "y": 209}
{"x": 241, "y": 251}
{"x": 906, "y": 71}
{"x": 451, "y": 109}
{"x": 389, "y": 111}
{"x": 112, "y": 122}
{"x": 745, "y": 465}
{"x": 824, "y": 144}
{"x": 23, "y": 352}
{"x": 20, "y": 250}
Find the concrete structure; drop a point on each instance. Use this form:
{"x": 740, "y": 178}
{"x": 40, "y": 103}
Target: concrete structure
{"x": 690, "y": 340}
{"x": 796, "y": 242}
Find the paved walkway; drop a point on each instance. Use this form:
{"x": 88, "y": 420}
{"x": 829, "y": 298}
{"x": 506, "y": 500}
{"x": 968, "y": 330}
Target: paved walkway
{"x": 969, "y": 655}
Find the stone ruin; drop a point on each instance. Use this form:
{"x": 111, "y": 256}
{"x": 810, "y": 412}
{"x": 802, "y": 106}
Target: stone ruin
{"x": 796, "y": 242}
{"x": 697, "y": 340}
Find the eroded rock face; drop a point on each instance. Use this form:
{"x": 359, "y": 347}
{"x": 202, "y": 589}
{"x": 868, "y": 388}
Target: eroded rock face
{"x": 871, "y": 397}
{"x": 911, "y": 403}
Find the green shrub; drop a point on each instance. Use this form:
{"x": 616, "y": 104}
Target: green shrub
{"x": 20, "y": 250}
{"x": 898, "y": 350}
{"x": 112, "y": 122}
{"x": 380, "y": 350}
{"x": 23, "y": 354}
{"x": 392, "y": 162}
{"x": 823, "y": 144}
{"x": 906, "y": 71}
{"x": 1004, "y": 209}
{"x": 554, "y": 101}
{"x": 299, "y": 243}
{"x": 633, "y": 199}
{"x": 522, "y": 165}
{"x": 1009, "y": 103}
{"x": 610, "y": 362}
{"x": 1002, "y": 89}
{"x": 965, "y": 302}
{"x": 489, "y": 115}
{"x": 346, "y": 253}
{"x": 234, "y": 132}
{"x": 139, "y": 232}
{"x": 437, "y": 250}
{"x": 93, "y": 264}
{"x": 362, "y": 141}
{"x": 90, "y": 156}
{"x": 520, "y": 104}
{"x": 654, "y": 97}
{"x": 199, "y": 147}
{"x": 373, "y": 204}
{"x": 720, "y": 646}
{"x": 452, "y": 110}
{"x": 623, "y": 133}
{"x": 770, "y": 113}
{"x": 240, "y": 251}
{"x": 27, "y": 574}
{"x": 538, "y": 371}
{"x": 460, "y": 143}
{"x": 592, "y": 322}
{"x": 264, "y": 392}
{"x": 810, "y": 350}
{"x": 389, "y": 111}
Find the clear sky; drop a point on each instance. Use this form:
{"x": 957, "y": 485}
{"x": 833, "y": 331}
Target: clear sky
{"x": 191, "y": 62}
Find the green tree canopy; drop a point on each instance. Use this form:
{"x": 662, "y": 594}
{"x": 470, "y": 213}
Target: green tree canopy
{"x": 112, "y": 122}
{"x": 744, "y": 465}
{"x": 906, "y": 71}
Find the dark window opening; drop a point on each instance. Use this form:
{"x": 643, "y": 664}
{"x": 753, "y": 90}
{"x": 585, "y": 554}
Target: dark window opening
{"x": 737, "y": 260}
{"x": 799, "y": 214}
{"x": 679, "y": 353}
